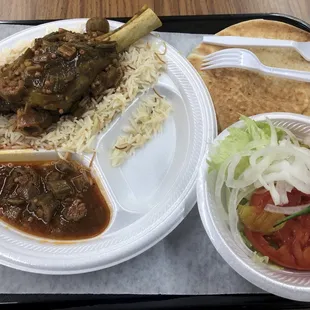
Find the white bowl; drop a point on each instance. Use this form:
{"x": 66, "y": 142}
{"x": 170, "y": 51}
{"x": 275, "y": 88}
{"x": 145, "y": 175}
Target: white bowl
{"x": 293, "y": 285}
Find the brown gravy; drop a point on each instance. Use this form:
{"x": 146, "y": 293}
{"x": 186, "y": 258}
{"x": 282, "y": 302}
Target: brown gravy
{"x": 55, "y": 199}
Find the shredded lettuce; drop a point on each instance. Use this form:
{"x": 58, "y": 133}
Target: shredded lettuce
{"x": 254, "y": 134}
{"x": 266, "y": 129}
{"x": 244, "y": 202}
{"x": 259, "y": 258}
{"x": 234, "y": 143}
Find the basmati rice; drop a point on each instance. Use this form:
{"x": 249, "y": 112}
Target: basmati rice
{"x": 142, "y": 67}
{"x": 146, "y": 121}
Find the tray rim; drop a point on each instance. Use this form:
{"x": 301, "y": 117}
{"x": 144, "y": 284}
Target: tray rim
{"x": 290, "y": 18}
{"x": 265, "y": 299}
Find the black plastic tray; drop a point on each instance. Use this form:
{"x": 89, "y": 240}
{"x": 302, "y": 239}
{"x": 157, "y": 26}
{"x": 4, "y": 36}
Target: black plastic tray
{"x": 207, "y": 24}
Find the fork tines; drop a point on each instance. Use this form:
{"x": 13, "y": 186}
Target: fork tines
{"x": 221, "y": 59}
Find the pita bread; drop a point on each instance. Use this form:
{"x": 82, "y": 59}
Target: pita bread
{"x": 237, "y": 91}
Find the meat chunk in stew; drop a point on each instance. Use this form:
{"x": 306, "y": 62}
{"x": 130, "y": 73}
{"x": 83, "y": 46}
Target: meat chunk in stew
{"x": 81, "y": 183}
{"x": 13, "y": 212}
{"x": 44, "y": 206}
{"x": 64, "y": 166}
{"x": 21, "y": 181}
{"x": 52, "y": 176}
{"x": 27, "y": 191}
{"x": 60, "y": 188}
{"x": 75, "y": 210}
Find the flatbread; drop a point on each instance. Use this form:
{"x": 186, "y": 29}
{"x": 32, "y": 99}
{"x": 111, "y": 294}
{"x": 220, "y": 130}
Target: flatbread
{"x": 238, "y": 91}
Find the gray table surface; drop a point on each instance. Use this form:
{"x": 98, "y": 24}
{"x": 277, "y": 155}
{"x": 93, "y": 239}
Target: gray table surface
{"x": 185, "y": 262}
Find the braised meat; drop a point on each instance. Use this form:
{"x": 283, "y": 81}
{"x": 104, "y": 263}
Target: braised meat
{"x": 60, "y": 188}
{"x": 54, "y": 200}
{"x": 12, "y": 82}
{"x": 7, "y": 107}
{"x": 81, "y": 183}
{"x": 44, "y": 206}
{"x": 64, "y": 166}
{"x": 33, "y": 122}
{"x": 106, "y": 79}
{"x": 74, "y": 210}
{"x": 13, "y": 213}
{"x": 27, "y": 191}
{"x": 54, "y": 76}
{"x": 63, "y": 68}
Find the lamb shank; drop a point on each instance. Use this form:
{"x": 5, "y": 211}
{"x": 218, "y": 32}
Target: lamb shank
{"x": 64, "y": 69}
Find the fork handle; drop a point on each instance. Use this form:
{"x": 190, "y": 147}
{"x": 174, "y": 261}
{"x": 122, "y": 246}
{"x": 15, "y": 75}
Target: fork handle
{"x": 286, "y": 73}
{"x": 246, "y": 41}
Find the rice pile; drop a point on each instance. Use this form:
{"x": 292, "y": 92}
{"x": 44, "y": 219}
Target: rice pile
{"x": 142, "y": 65}
{"x": 145, "y": 122}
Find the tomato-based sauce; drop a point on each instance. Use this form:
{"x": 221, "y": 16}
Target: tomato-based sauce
{"x": 56, "y": 200}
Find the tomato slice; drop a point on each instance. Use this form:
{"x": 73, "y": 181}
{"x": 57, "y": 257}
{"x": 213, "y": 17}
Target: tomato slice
{"x": 291, "y": 251}
{"x": 260, "y": 198}
{"x": 289, "y": 246}
{"x": 294, "y": 198}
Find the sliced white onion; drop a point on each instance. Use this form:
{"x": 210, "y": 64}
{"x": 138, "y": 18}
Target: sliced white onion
{"x": 299, "y": 170}
{"x": 231, "y": 169}
{"x": 249, "y": 176}
{"x": 288, "y": 187}
{"x": 281, "y": 189}
{"x": 286, "y": 160}
{"x": 273, "y": 133}
{"x": 282, "y": 152}
{"x": 285, "y": 210}
{"x": 263, "y": 183}
{"x": 274, "y": 194}
{"x": 285, "y": 176}
{"x": 257, "y": 184}
{"x": 291, "y": 136}
{"x": 246, "y": 193}
{"x": 278, "y": 166}
{"x": 220, "y": 180}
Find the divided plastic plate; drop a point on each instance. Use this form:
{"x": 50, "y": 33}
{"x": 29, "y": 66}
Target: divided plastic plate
{"x": 288, "y": 284}
{"x": 150, "y": 194}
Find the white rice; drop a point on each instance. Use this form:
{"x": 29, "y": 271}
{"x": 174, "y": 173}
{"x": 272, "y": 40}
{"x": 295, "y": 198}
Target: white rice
{"x": 142, "y": 66}
{"x": 145, "y": 122}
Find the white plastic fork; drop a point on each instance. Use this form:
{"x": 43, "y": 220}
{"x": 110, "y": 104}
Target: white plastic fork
{"x": 244, "y": 59}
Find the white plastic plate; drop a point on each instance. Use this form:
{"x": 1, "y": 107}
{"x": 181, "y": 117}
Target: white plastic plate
{"x": 150, "y": 194}
{"x": 288, "y": 284}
